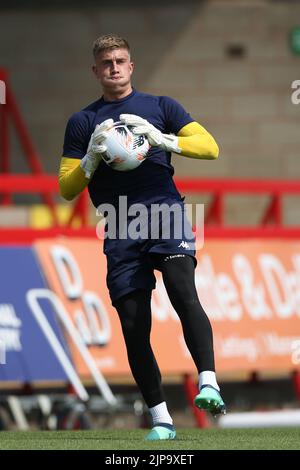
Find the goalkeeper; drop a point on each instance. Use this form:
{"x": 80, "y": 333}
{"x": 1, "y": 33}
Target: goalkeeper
{"x": 131, "y": 263}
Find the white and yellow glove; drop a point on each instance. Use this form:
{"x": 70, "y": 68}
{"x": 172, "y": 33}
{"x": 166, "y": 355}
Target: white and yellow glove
{"x": 167, "y": 142}
{"x": 96, "y": 148}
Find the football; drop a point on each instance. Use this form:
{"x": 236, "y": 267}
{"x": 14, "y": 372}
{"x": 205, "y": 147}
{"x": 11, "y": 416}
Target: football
{"x": 125, "y": 150}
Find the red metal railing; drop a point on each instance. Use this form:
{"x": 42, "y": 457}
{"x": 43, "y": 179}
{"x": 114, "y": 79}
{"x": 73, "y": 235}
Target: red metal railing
{"x": 271, "y": 224}
{"x": 45, "y": 185}
{"x": 10, "y": 113}
{"x": 275, "y": 189}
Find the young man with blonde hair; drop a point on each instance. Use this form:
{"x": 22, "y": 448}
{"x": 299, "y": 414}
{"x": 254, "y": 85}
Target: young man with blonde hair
{"x": 130, "y": 278}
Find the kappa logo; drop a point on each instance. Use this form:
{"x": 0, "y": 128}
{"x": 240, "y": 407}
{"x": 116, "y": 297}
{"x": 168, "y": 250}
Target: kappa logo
{"x": 184, "y": 244}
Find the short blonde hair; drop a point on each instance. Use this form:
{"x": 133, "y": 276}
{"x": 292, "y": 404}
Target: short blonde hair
{"x": 109, "y": 41}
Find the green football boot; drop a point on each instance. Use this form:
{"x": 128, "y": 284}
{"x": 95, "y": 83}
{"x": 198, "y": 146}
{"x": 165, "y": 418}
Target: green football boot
{"x": 209, "y": 399}
{"x": 161, "y": 432}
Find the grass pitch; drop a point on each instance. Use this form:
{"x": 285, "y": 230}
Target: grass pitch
{"x": 187, "y": 439}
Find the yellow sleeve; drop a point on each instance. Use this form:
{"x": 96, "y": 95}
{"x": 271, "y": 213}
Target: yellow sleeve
{"x": 71, "y": 178}
{"x": 195, "y": 142}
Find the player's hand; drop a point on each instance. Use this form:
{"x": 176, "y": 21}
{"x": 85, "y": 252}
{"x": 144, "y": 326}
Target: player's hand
{"x": 155, "y": 137}
{"x": 96, "y": 148}
{"x": 142, "y": 126}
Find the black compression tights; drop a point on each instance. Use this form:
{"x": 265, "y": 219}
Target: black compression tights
{"x": 134, "y": 310}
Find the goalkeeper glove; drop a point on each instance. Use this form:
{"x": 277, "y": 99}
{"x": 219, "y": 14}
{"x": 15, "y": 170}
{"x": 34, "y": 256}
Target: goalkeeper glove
{"x": 96, "y": 148}
{"x": 155, "y": 137}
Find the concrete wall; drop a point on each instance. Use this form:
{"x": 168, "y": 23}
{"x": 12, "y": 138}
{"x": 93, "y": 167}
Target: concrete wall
{"x": 245, "y": 102}
{"x": 179, "y": 50}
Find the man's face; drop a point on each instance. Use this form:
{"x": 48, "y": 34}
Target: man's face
{"x": 113, "y": 68}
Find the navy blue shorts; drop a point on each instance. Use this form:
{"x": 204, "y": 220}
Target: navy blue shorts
{"x": 129, "y": 262}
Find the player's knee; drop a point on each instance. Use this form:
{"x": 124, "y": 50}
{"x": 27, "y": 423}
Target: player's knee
{"x": 185, "y": 304}
{"x": 182, "y": 289}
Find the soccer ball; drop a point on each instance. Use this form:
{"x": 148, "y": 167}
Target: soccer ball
{"x": 125, "y": 150}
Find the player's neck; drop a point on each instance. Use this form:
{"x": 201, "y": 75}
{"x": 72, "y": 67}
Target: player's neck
{"x": 113, "y": 95}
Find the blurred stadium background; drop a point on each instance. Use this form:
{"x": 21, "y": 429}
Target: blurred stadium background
{"x": 232, "y": 65}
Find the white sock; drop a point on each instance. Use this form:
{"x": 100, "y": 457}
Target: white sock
{"x": 208, "y": 377}
{"x": 160, "y": 414}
